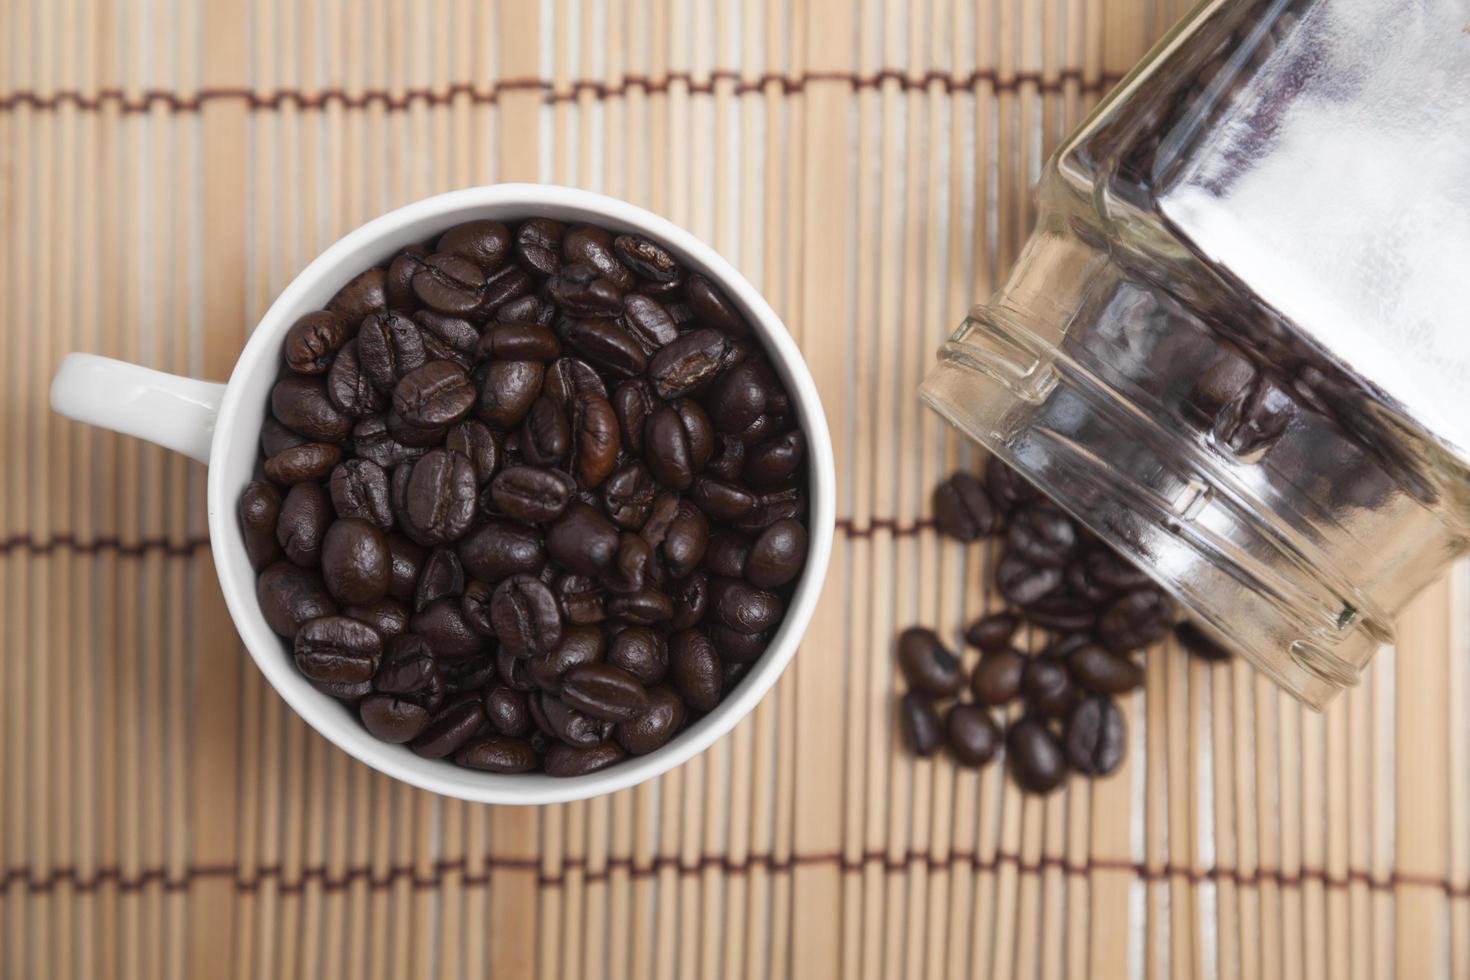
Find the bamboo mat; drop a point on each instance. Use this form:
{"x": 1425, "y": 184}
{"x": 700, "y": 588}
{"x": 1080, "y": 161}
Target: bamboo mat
{"x": 165, "y": 169}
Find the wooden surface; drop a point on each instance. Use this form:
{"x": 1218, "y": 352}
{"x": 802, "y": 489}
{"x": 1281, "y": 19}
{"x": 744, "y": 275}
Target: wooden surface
{"x": 165, "y": 169}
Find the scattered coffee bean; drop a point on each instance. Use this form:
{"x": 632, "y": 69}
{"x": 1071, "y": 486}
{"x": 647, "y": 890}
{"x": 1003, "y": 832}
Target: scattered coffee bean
{"x": 963, "y": 509}
{"x": 920, "y": 723}
{"x": 1101, "y": 671}
{"x": 928, "y": 665}
{"x": 993, "y": 632}
{"x": 1035, "y": 756}
{"x": 997, "y": 678}
{"x": 972, "y": 735}
{"x": 1094, "y": 737}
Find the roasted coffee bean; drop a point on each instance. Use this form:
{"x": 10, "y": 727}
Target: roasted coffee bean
{"x": 582, "y": 540}
{"x": 1199, "y": 643}
{"x": 1101, "y": 671}
{"x": 628, "y": 495}
{"x": 514, "y": 671}
{"x": 485, "y": 243}
{"x": 338, "y": 655}
{"x": 711, "y": 309}
{"x": 744, "y": 608}
{"x": 633, "y": 403}
{"x": 604, "y": 691}
{"x": 581, "y": 598}
{"x": 444, "y": 628}
{"x": 775, "y": 462}
{"x": 605, "y": 342}
{"x": 739, "y": 396}
{"x": 685, "y": 540}
{"x": 532, "y": 494}
{"x": 1094, "y": 737}
{"x": 538, "y": 245}
{"x": 1048, "y": 687}
{"x": 642, "y": 652}
{"x": 1008, "y": 489}
{"x": 972, "y": 735}
{"x": 452, "y": 728}
{"x": 507, "y": 389}
{"x": 688, "y": 363}
{"x": 399, "y": 280}
{"x": 496, "y": 550}
{"x": 1023, "y": 583}
{"x": 694, "y": 668}
{"x": 997, "y": 677}
{"x": 776, "y": 505}
{"x": 414, "y": 436}
{"x": 778, "y": 555}
{"x": 1113, "y": 573}
{"x": 580, "y": 290}
{"x": 359, "y": 488}
{"x": 644, "y": 607}
{"x": 660, "y": 720}
{"x": 438, "y": 498}
{"x": 408, "y": 667}
{"x": 596, "y": 440}
{"x": 579, "y": 646}
{"x": 350, "y": 388}
{"x": 1035, "y": 756}
{"x": 520, "y": 342}
{"x": 290, "y": 596}
{"x": 592, "y": 246}
{"x": 475, "y": 607}
{"x": 498, "y": 753}
{"x": 691, "y": 599}
{"x": 260, "y": 510}
{"x": 470, "y": 673}
{"x": 1042, "y": 536}
{"x": 720, "y": 500}
{"x": 1062, "y": 613}
{"x": 434, "y": 396}
{"x": 525, "y": 615}
{"x": 449, "y": 283}
{"x": 571, "y": 377}
{"x": 566, "y": 760}
{"x": 386, "y": 615}
{"x": 389, "y": 346}
{"x": 727, "y": 554}
{"x": 367, "y": 293}
{"x": 505, "y": 286}
{"x": 479, "y": 444}
{"x": 393, "y": 719}
{"x": 630, "y": 565}
{"x": 306, "y": 513}
{"x": 1133, "y": 621}
{"x": 441, "y": 576}
{"x": 525, "y": 310}
{"x": 546, "y": 435}
{"x": 646, "y": 258}
{"x": 678, "y": 442}
{"x": 992, "y": 632}
{"x": 927, "y": 664}
{"x": 314, "y": 340}
{"x": 372, "y": 440}
{"x": 660, "y": 518}
{"x": 728, "y": 461}
{"x": 648, "y": 322}
{"x": 301, "y": 404}
{"x": 356, "y": 564}
{"x": 507, "y": 710}
{"x": 275, "y": 437}
{"x": 562, "y": 721}
{"x": 962, "y": 508}
{"x": 437, "y": 348}
{"x": 919, "y": 723}
{"x": 737, "y": 647}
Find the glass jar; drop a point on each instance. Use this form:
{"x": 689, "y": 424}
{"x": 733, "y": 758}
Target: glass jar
{"x": 1237, "y": 345}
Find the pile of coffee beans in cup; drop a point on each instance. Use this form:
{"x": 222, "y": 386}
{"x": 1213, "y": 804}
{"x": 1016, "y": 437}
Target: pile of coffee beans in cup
{"x": 530, "y": 497}
{"x": 1053, "y": 575}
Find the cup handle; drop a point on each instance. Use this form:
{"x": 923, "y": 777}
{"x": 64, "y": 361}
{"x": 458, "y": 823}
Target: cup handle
{"x": 176, "y": 413}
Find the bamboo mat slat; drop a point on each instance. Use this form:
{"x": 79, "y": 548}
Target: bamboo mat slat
{"x": 166, "y": 167}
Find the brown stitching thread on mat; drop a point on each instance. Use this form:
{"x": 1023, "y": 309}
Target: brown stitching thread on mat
{"x": 185, "y": 548}
{"x": 961, "y": 861}
{"x": 145, "y": 100}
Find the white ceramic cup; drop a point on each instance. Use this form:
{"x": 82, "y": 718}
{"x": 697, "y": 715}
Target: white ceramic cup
{"x": 219, "y": 424}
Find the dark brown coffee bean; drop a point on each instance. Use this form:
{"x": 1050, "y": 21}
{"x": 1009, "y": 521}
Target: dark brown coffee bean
{"x": 408, "y": 667}
{"x": 648, "y": 322}
{"x": 474, "y": 605}
{"x": 778, "y": 555}
{"x": 275, "y": 437}
{"x": 1101, "y": 671}
{"x": 434, "y": 396}
{"x": 628, "y": 495}
{"x": 739, "y": 396}
{"x": 399, "y": 279}
{"x": 387, "y": 615}
{"x": 1095, "y": 737}
{"x": 926, "y": 663}
{"x": 441, "y": 576}
{"x": 372, "y": 440}
{"x": 1008, "y": 489}
{"x": 338, "y": 655}
{"x": 497, "y": 550}
{"x": 581, "y": 598}
{"x": 997, "y": 677}
{"x": 579, "y": 646}
{"x": 470, "y": 673}
{"x": 498, "y": 753}
{"x": 727, "y": 554}
{"x": 720, "y": 500}
{"x": 962, "y": 508}
{"x": 301, "y": 404}
{"x": 525, "y": 310}
{"x": 1062, "y": 613}
{"x": 389, "y": 346}
{"x": 520, "y": 342}
{"x": 1199, "y": 643}
{"x": 565, "y": 760}
{"x": 580, "y": 290}
{"x": 355, "y": 562}
{"x": 1022, "y": 583}
{"x": 367, "y": 293}
{"x": 604, "y": 342}
{"x": 444, "y": 628}
{"x": 538, "y": 245}
{"x": 646, "y": 258}
{"x": 694, "y": 668}
{"x": 691, "y": 600}
{"x": 633, "y": 403}
{"x": 525, "y": 615}
{"x": 737, "y": 647}
{"x": 506, "y": 286}
{"x": 1112, "y": 573}
{"x": 604, "y": 691}
{"x": 514, "y": 671}
{"x": 507, "y": 710}
{"x": 1035, "y": 756}
{"x": 408, "y": 434}
{"x": 406, "y": 559}
{"x": 1048, "y": 687}
{"x": 993, "y": 631}
{"x": 630, "y": 565}
{"x": 582, "y": 540}
{"x": 728, "y": 461}
{"x": 562, "y": 721}
{"x": 643, "y": 608}
{"x": 595, "y": 439}
{"x": 591, "y": 246}
{"x": 359, "y": 488}
{"x": 290, "y": 596}
{"x": 484, "y": 242}
{"x": 571, "y": 377}
{"x": 1133, "y": 621}
{"x": 660, "y": 720}
{"x": 439, "y": 499}
{"x": 775, "y": 462}
{"x": 711, "y": 309}
{"x": 689, "y": 363}
{"x": 685, "y": 541}
{"x": 919, "y": 723}
{"x": 306, "y": 513}
{"x": 507, "y": 389}
{"x": 641, "y": 652}
{"x": 660, "y": 518}
{"x": 1042, "y": 536}
{"x": 972, "y": 735}
{"x": 776, "y": 505}
{"x": 546, "y": 435}
{"x": 678, "y": 442}
{"x": 480, "y": 446}
{"x": 260, "y": 511}
{"x": 449, "y": 284}
{"x": 393, "y": 719}
{"x": 452, "y": 728}
{"x": 532, "y": 494}
{"x": 314, "y": 340}
{"x": 350, "y": 388}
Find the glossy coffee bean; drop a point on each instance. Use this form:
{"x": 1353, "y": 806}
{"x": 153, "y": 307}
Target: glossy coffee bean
{"x": 606, "y": 343}
{"x": 1035, "y": 756}
{"x": 525, "y": 615}
{"x": 408, "y": 667}
{"x": 563, "y": 722}
{"x": 582, "y": 540}
{"x": 594, "y": 247}
{"x": 1101, "y": 671}
{"x": 356, "y": 564}
{"x": 399, "y": 278}
{"x": 546, "y": 435}
{"x": 507, "y": 389}
{"x": 505, "y": 286}
{"x": 919, "y": 723}
{"x": 260, "y": 510}
{"x": 518, "y": 341}
{"x": 962, "y": 508}
{"x": 393, "y": 719}
{"x": 513, "y": 671}
{"x": 712, "y": 309}
{"x": 439, "y": 501}
{"x": 642, "y": 608}
{"x": 389, "y": 346}
{"x": 1048, "y": 687}
{"x": 582, "y": 599}
{"x": 372, "y": 440}
{"x": 507, "y": 710}
{"x": 646, "y": 258}
{"x": 775, "y": 462}
{"x": 596, "y": 439}
{"x": 997, "y": 677}
{"x": 496, "y": 550}
{"x": 443, "y": 626}
{"x": 633, "y": 402}
{"x": 1094, "y": 737}
{"x": 405, "y": 561}
{"x": 1199, "y": 643}
{"x": 572, "y": 377}
{"x": 350, "y": 387}
{"x": 451, "y": 728}
{"x": 689, "y": 363}
{"x": 449, "y": 283}
{"x": 1135, "y": 620}
{"x": 291, "y": 596}
{"x": 474, "y": 605}
{"x": 386, "y": 615}
{"x": 993, "y": 631}
{"x": 301, "y": 405}
{"x": 685, "y": 540}
{"x": 359, "y": 489}
{"x": 728, "y": 460}
{"x": 532, "y": 494}
{"x": 604, "y": 691}
{"x": 567, "y": 760}
{"x": 579, "y": 289}
{"x": 485, "y": 242}
{"x": 627, "y": 495}
{"x": 436, "y": 395}
{"x": 630, "y": 567}
{"x": 679, "y": 441}
{"x": 1041, "y": 536}
{"x": 314, "y": 340}
{"x": 275, "y": 437}
{"x": 366, "y": 293}
{"x": 479, "y": 444}
{"x": 308, "y": 461}
{"x": 694, "y": 669}
{"x": 660, "y": 720}
{"x": 722, "y": 501}
{"x": 498, "y": 753}
{"x": 538, "y": 245}
{"x": 737, "y": 647}
{"x": 744, "y": 608}
{"x": 726, "y": 554}
{"x": 306, "y": 513}
{"x": 642, "y": 652}
{"x": 972, "y": 735}
{"x": 648, "y": 322}
{"x": 778, "y": 555}
{"x": 1022, "y": 583}
{"x": 579, "y": 646}
{"x": 338, "y": 655}
{"x": 927, "y": 664}
{"x": 739, "y": 396}
{"x": 440, "y": 576}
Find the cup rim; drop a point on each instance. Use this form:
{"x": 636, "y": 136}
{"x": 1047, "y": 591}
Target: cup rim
{"x": 341, "y": 727}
